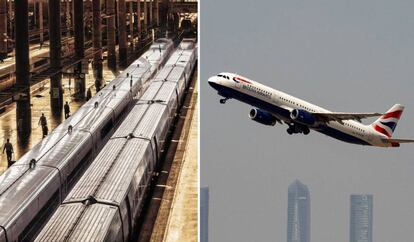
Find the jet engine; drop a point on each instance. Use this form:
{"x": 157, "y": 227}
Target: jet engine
{"x": 303, "y": 117}
{"x": 262, "y": 117}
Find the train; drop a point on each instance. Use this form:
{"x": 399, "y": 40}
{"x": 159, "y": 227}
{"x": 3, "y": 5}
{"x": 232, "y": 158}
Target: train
{"x": 33, "y": 187}
{"x": 107, "y": 202}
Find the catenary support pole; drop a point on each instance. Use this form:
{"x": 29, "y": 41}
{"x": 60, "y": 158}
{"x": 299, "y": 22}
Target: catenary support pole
{"x": 23, "y": 110}
{"x": 56, "y": 92}
{"x": 79, "y": 49}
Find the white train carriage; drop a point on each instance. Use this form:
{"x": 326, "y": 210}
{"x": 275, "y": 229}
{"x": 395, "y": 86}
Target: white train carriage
{"x": 109, "y": 229}
{"x": 118, "y": 177}
{"x": 113, "y": 172}
{"x": 31, "y": 198}
{"x": 109, "y": 197}
{"x": 184, "y": 54}
{"x": 16, "y": 204}
{"x": 136, "y": 77}
{"x": 155, "y": 57}
{"x": 185, "y": 57}
{"x": 36, "y": 184}
{"x": 159, "y": 50}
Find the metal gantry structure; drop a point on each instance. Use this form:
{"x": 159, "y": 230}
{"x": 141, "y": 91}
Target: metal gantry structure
{"x": 79, "y": 30}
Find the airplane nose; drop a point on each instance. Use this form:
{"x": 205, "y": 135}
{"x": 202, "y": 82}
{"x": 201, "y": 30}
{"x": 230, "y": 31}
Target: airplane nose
{"x": 212, "y": 81}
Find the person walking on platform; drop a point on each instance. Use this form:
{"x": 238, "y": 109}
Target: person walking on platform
{"x": 67, "y": 110}
{"x": 9, "y": 151}
{"x": 88, "y": 94}
{"x": 43, "y": 122}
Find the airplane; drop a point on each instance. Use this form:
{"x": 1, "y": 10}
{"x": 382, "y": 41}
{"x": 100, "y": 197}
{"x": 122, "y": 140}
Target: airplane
{"x": 272, "y": 106}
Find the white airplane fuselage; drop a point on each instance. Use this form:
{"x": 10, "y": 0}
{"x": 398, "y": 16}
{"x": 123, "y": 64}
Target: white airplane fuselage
{"x": 280, "y": 105}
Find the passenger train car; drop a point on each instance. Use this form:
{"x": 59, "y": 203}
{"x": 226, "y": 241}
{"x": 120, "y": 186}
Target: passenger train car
{"x": 33, "y": 187}
{"x": 107, "y": 201}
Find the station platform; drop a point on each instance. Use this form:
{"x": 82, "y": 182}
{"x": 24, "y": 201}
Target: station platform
{"x": 34, "y": 50}
{"x": 177, "y": 219}
{"x": 40, "y": 101}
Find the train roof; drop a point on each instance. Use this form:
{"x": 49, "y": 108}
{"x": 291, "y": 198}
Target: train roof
{"x": 75, "y": 223}
{"x": 15, "y": 201}
{"x": 110, "y": 175}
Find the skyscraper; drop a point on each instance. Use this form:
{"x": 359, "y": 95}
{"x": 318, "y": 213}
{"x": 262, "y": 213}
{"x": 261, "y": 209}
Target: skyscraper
{"x": 360, "y": 229}
{"x": 298, "y": 227}
{"x": 204, "y": 200}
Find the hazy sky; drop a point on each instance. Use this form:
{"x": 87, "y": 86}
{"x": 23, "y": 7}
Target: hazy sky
{"x": 352, "y": 56}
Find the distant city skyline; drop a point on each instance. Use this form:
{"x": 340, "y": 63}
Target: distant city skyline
{"x": 347, "y": 56}
{"x": 204, "y": 205}
{"x": 299, "y": 212}
{"x": 361, "y": 213}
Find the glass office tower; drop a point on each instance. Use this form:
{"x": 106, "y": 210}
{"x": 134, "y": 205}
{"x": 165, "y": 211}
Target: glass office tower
{"x": 204, "y": 200}
{"x": 298, "y": 227}
{"x": 361, "y": 218}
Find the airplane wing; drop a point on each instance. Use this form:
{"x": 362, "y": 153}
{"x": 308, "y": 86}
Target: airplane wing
{"x": 339, "y": 117}
{"x": 398, "y": 140}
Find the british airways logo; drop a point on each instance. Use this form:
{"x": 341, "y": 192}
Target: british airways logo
{"x": 387, "y": 123}
{"x": 249, "y": 86}
{"x": 238, "y": 80}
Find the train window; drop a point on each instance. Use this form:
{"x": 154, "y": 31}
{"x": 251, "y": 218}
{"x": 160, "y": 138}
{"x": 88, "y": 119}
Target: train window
{"x": 122, "y": 113}
{"x": 156, "y": 148}
{"x": 106, "y": 128}
{"x": 41, "y": 218}
{"x": 154, "y": 152}
{"x": 142, "y": 182}
{"x": 78, "y": 171}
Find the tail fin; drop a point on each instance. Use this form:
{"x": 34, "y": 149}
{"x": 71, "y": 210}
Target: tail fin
{"x": 386, "y": 123}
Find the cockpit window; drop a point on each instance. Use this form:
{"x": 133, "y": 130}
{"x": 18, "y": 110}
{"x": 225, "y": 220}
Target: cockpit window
{"x": 228, "y": 78}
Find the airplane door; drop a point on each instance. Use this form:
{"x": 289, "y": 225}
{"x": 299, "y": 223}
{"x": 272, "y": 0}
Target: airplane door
{"x": 235, "y": 83}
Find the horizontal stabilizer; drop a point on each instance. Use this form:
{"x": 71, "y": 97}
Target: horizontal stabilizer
{"x": 398, "y": 140}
